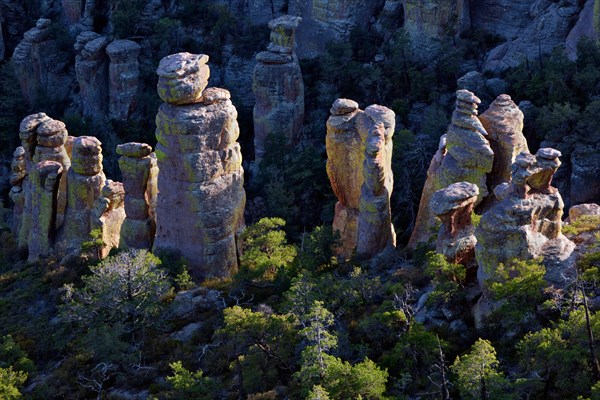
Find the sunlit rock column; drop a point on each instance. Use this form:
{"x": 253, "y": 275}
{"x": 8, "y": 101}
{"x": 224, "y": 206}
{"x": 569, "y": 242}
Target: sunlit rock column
{"x": 85, "y": 182}
{"x": 359, "y": 151}
{"x": 466, "y": 156}
{"x": 140, "y": 172}
{"x": 108, "y": 216}
{"x": 201, "y": 196}
{"x": 278, "y": 87}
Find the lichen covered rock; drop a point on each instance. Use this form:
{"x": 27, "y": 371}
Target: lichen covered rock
{"x": 182, "y": 77}
{"x": 278, "y": 87}
{"x": 108, "y": 216}
{"x": 85, "y": 182}
{"x": 140, "y": 172}
{"x": 201, "y": 198}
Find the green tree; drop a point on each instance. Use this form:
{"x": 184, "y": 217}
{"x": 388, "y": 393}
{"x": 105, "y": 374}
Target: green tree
{"x": 448, "y": 278}
{"x": 266, "y": 254}
{"x": 477, "y": 372}
{"x": 10, "y": 382}
{"x": 187, "y": 384}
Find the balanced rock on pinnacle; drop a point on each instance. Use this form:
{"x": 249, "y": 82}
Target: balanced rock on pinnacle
{"x": 201, "y": 198}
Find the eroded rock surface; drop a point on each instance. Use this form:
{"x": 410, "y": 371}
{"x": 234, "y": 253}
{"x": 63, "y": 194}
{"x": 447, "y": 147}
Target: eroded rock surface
{"x": 464, "y": 155}
{"x": 359, "y": 149}
{"x": 123, "y": 78}
{"x": 201, "y": 198}
{"x": 91, "y": 70}
{"x": 140, "y": 173}
{"x": 108, "y": 216}
{"x": 526, "y": 221}
{"x": 454, "y": 205}
{"x": 278, "y": 87}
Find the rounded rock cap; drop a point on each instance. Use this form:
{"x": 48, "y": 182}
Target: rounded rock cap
{"x": 31, "y": 122}
{"x": 466, "y": 96}
{"x": 180, "y": 64}
{"x": 134, "y": 149}
{"x": 343, "y": 106}
{"x": 548, "y": 153}
{"x": 287, "y": 22}
{"x": 19, "y": 152}
{"x": 51, "y": 127}
{"x": 87, "y": 146}
{"x": 453, "y": 197}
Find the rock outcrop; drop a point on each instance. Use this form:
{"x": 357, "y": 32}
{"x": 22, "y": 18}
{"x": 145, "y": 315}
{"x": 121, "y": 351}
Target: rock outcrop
{"x": 585, "y": 169}
{"x": 359, "y": 150}
{"x": 580, "y": 210}
{"x": 85, "y": 182}
{"x": 454, "y": 205}
{"x": 503, "y": 121}
{"x": 278, "y": 87}
{"x": 91, "y": 70}
{"x": 526, "y": 221}
{"x": 464, "y": 155}
{"x": 428, "y": 22}
{"x": 17, "y": 176}
{"x": 140, "y": 172}
{"x": 123, "y": 78}
{"x": 40, "y": 67}
{"x": 201, "y": 198}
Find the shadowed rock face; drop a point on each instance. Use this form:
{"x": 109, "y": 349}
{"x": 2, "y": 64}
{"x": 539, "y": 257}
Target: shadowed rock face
{"x": 464, "y": 155}
{"x": 359, "y": 149}
{"x": 91, "y": 70}
{"x": 201, "y": 197}
{"x": 278, "y": 87}
{"x": 123, "y": 78}
{"x": 140, "y": 172}
{"x": 40, "y": 67}
{"x": 453, "y": 205}
{"x": 526, "y": 221}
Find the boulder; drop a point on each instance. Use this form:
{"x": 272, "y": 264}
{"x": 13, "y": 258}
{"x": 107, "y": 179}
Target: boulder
{"x": 123, "y": 78}
{"x": 454, "y": 205}
{"x": 182, "y": 77}
{"x": 278, "y": 87}
{"x": 580, "y": 210}
{"x": 201, "y": 200}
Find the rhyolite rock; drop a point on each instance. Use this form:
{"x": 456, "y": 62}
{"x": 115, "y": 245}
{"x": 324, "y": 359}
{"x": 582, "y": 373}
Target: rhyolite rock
{"x": 85, "y": 181}
{"x": 91, "y": 70}
{"x": 182, "y": 77}
{"x": 464, "y": 155}
{"x": 201, "y": 199}
{"x": 454, "y": 205}
{"x": 526, "y": 222}
{"x": 278, "y": 87}
{"x": 123, "y": 78}
{"x": 45, "y": 180}
{"x": 40, "y": 67}
{"x": 580, "y": 210}
{"x": 503, "y": 121}
{"x": 108, "y": 216}
{"x": 140, "y": 172}
{"x": 359, "y": 149}
{"x": 18, "y": 174}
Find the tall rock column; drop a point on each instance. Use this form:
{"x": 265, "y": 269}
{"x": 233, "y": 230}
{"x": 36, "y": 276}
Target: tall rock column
{"x": 85, "y": 183}
{"x": 465, "y": 155}
{"x": 16, "y": 194}
{"x": 123, "y": 78}
{"x": 140, "y": 173}
{"x": 201, "y": 197}
{"x": 503, "y": 121}
{"x": 91, "y": 70}
{"x": 40, "y": 67}
{"x": 108, "y": 216}
{"x": 359, "y": 150}
{"x": 278, "y": 87}
{"x": 45, "y": 181}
